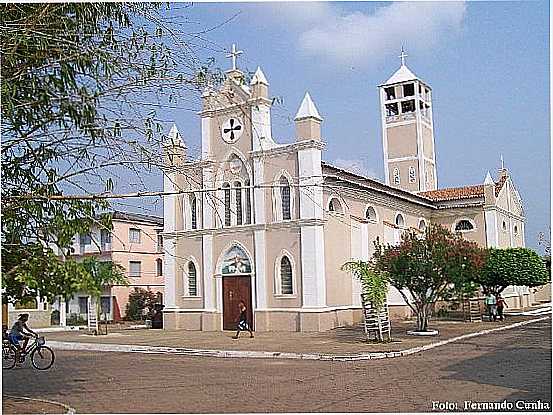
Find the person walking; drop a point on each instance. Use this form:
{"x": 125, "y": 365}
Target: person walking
{"x": 501, "y": 304}
{"x": 491, "y": 305}
{"x": 243, "y": 320}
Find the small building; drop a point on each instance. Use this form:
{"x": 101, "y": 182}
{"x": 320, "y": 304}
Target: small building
{"x": 136, "y": 243}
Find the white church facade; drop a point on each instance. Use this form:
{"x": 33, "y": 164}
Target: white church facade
{"x": 271, "y": 224}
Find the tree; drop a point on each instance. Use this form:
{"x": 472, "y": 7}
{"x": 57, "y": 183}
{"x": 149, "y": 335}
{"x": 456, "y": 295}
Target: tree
{"x": 81, "y": 86}
{"x": 374, "y": 284}
{"x": 511, "y": 266}
{"x": 428, "y": 267}
{"x": 140, "y": 300}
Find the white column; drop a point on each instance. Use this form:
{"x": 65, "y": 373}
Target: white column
{"x": 258, "y": 193}
{"x": 310, "y": 181}
{"x": 492, "y": 237}
{"x": 63, "y": 314}
{"x": 260, "y": 269}
{"x": 208, "y": 272}
{"x": 261, "y": 126}
{"x": 170, "y": 273}
{"x": 208, "y": 199}
{"x": 206, "y": 137}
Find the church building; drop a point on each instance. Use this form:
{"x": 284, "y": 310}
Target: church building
{"x": 271, "y": 224}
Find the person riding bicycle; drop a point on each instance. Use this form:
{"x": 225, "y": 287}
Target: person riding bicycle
{"x": 20, "y": 331}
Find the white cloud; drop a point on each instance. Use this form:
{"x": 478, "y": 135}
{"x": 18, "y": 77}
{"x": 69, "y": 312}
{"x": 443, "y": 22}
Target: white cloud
{"x": 356, "y": 166}
{"x": 359, "y": 38}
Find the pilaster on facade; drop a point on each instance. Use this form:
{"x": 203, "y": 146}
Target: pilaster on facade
{"x": 170, "y": 273}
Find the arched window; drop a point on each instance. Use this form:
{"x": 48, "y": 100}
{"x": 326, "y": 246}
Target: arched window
{"x": 400, "y": 221}
{"x": 463, "y": 225}
{"x": 159, "y": 267}
{"x": 422, "y": 225}
{"x": 504, "y": 226}
{"x": 193, "y": 212}
{"x": 248, "y": 216}
{"x": 238, "y": 187}
{"x": 286, "y": 276}
{"x": 285, "y": 198}
{"x": 515, "y": 229}
{"x": 192, "y": 281}
{"x": 335, "y": 206}
{"x": 226, "y": 192}
{"x": 370, "y": 214}
{"x": 412, "y": 175}
{"x": 397, "y": 179}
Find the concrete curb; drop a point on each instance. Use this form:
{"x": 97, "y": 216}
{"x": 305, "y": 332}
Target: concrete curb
{"x": 123, "y": 348}
{"x": 69, "y": 409}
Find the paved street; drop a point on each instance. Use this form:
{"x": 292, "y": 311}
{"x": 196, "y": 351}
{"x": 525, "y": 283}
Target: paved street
{"x": 513, "y": 365}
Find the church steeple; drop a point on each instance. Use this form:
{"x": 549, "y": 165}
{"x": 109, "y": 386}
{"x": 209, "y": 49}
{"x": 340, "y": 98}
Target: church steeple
{"x": 408, "y": 131}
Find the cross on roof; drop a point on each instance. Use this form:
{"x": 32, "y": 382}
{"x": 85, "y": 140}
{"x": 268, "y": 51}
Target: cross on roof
{"x": 233, "y": 55}
{"x": 403, "y": 56}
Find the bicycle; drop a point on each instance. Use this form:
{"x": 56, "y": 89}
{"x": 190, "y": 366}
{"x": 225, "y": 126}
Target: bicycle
{"x": 42, "y": 357}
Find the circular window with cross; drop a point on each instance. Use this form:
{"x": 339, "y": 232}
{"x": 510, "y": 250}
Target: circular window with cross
{"x": 231, "y": 130}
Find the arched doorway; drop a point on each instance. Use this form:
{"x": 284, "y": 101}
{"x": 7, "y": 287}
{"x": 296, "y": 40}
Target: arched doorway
{"x": 236, "y": 272}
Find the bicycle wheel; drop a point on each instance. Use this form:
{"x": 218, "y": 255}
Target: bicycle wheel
{"x": 8, "y": 356}
{"x": 42, "y": 358}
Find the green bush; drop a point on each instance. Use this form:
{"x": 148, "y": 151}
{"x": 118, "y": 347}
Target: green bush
{"x": 140, "y": 300}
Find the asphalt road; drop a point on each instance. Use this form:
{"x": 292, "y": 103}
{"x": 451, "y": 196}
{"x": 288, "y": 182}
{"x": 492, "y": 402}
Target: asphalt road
{"x": 512, "y": 365}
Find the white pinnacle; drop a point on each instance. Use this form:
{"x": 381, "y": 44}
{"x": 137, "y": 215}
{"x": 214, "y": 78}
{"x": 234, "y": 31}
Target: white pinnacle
{"x": 488, "y": 179}
{"x": 174, "y": 138}
{"x": 259, "y": 78}
{"x": 308, "y": 109}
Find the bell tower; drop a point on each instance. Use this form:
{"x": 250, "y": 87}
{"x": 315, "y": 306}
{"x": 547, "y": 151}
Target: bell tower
{"x": 408, "y": 131}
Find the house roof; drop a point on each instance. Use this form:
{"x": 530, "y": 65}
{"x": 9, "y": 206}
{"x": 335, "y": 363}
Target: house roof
{"x": 401, "y": 75}
{"x": 137, "y": 217}
{"x": 464, "y": 192}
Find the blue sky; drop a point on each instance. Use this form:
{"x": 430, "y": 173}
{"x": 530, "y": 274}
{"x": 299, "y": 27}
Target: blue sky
{"x": 487, "y": 62}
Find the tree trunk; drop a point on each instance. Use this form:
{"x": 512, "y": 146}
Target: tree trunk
{"x": 423, "y": 314}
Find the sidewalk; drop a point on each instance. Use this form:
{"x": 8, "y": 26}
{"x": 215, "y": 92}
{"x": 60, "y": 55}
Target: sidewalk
{"x": 341, "y": 341}
{"x": 19, "y": 405}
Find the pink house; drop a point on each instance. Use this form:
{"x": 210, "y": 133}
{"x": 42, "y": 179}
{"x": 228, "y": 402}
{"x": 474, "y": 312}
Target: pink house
{"x": 136, "y": 244}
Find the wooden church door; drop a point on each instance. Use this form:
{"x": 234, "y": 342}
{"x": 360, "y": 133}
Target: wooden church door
{"x": 236, "y": 289}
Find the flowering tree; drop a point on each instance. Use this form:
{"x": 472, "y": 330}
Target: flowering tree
{"x": 429, "y": 267}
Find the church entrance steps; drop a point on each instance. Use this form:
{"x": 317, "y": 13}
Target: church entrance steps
{"x": 298, "y": 349}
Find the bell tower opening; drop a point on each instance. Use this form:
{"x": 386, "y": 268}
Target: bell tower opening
{"x": 408, "y": 131}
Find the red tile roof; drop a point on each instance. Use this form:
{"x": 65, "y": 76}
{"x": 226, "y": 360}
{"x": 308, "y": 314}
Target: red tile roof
{"x": 465, "y": 192}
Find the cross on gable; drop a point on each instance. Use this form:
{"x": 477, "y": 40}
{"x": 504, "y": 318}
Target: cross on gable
{"x": 403, "y": 56}
{"x": 233, "y": 55}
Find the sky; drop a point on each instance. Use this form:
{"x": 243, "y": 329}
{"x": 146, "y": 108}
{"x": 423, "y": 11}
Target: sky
{"x": 487, "y": 64}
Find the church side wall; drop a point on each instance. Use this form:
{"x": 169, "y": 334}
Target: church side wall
{"x": 451, "y": 216}
{"x": 189, "y": 249}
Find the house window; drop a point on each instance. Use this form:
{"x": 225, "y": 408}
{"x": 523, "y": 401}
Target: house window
{"x": 159, "y": 267}
{"x": 408, "y": 90}
{"x": 226, "y": 191}
{"x": 412, "y": 175}
{"x": 400, "y": 221}
{"x": 285, "y": 198}
{"x": 85, "y": 239}
{"x": 83, "y": 305}
{"x": 422, "y": 225}
{"x": 286, "y": 276}
{"x": 238, "y": 187}
{"x": 134, "y": 235}
{"x": 159, "y": 241}
{"x": 390, "y": 93}
{"x": 135, "y": 268}
{"x": 105, "y": 238}
{"x": 335, "y": 206}
{"x": 396, "y": 177}
{"x": 193, "y": 212}
{"x": 370, "y": 214}
{"x": 105, "y": 305}
{"x": 392, "y": 109}
{"x": 247, "y": 219}
{"x": 463, "y": 225}
{"x": 192, "y": 282}
{"x": 408, "y": 106}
